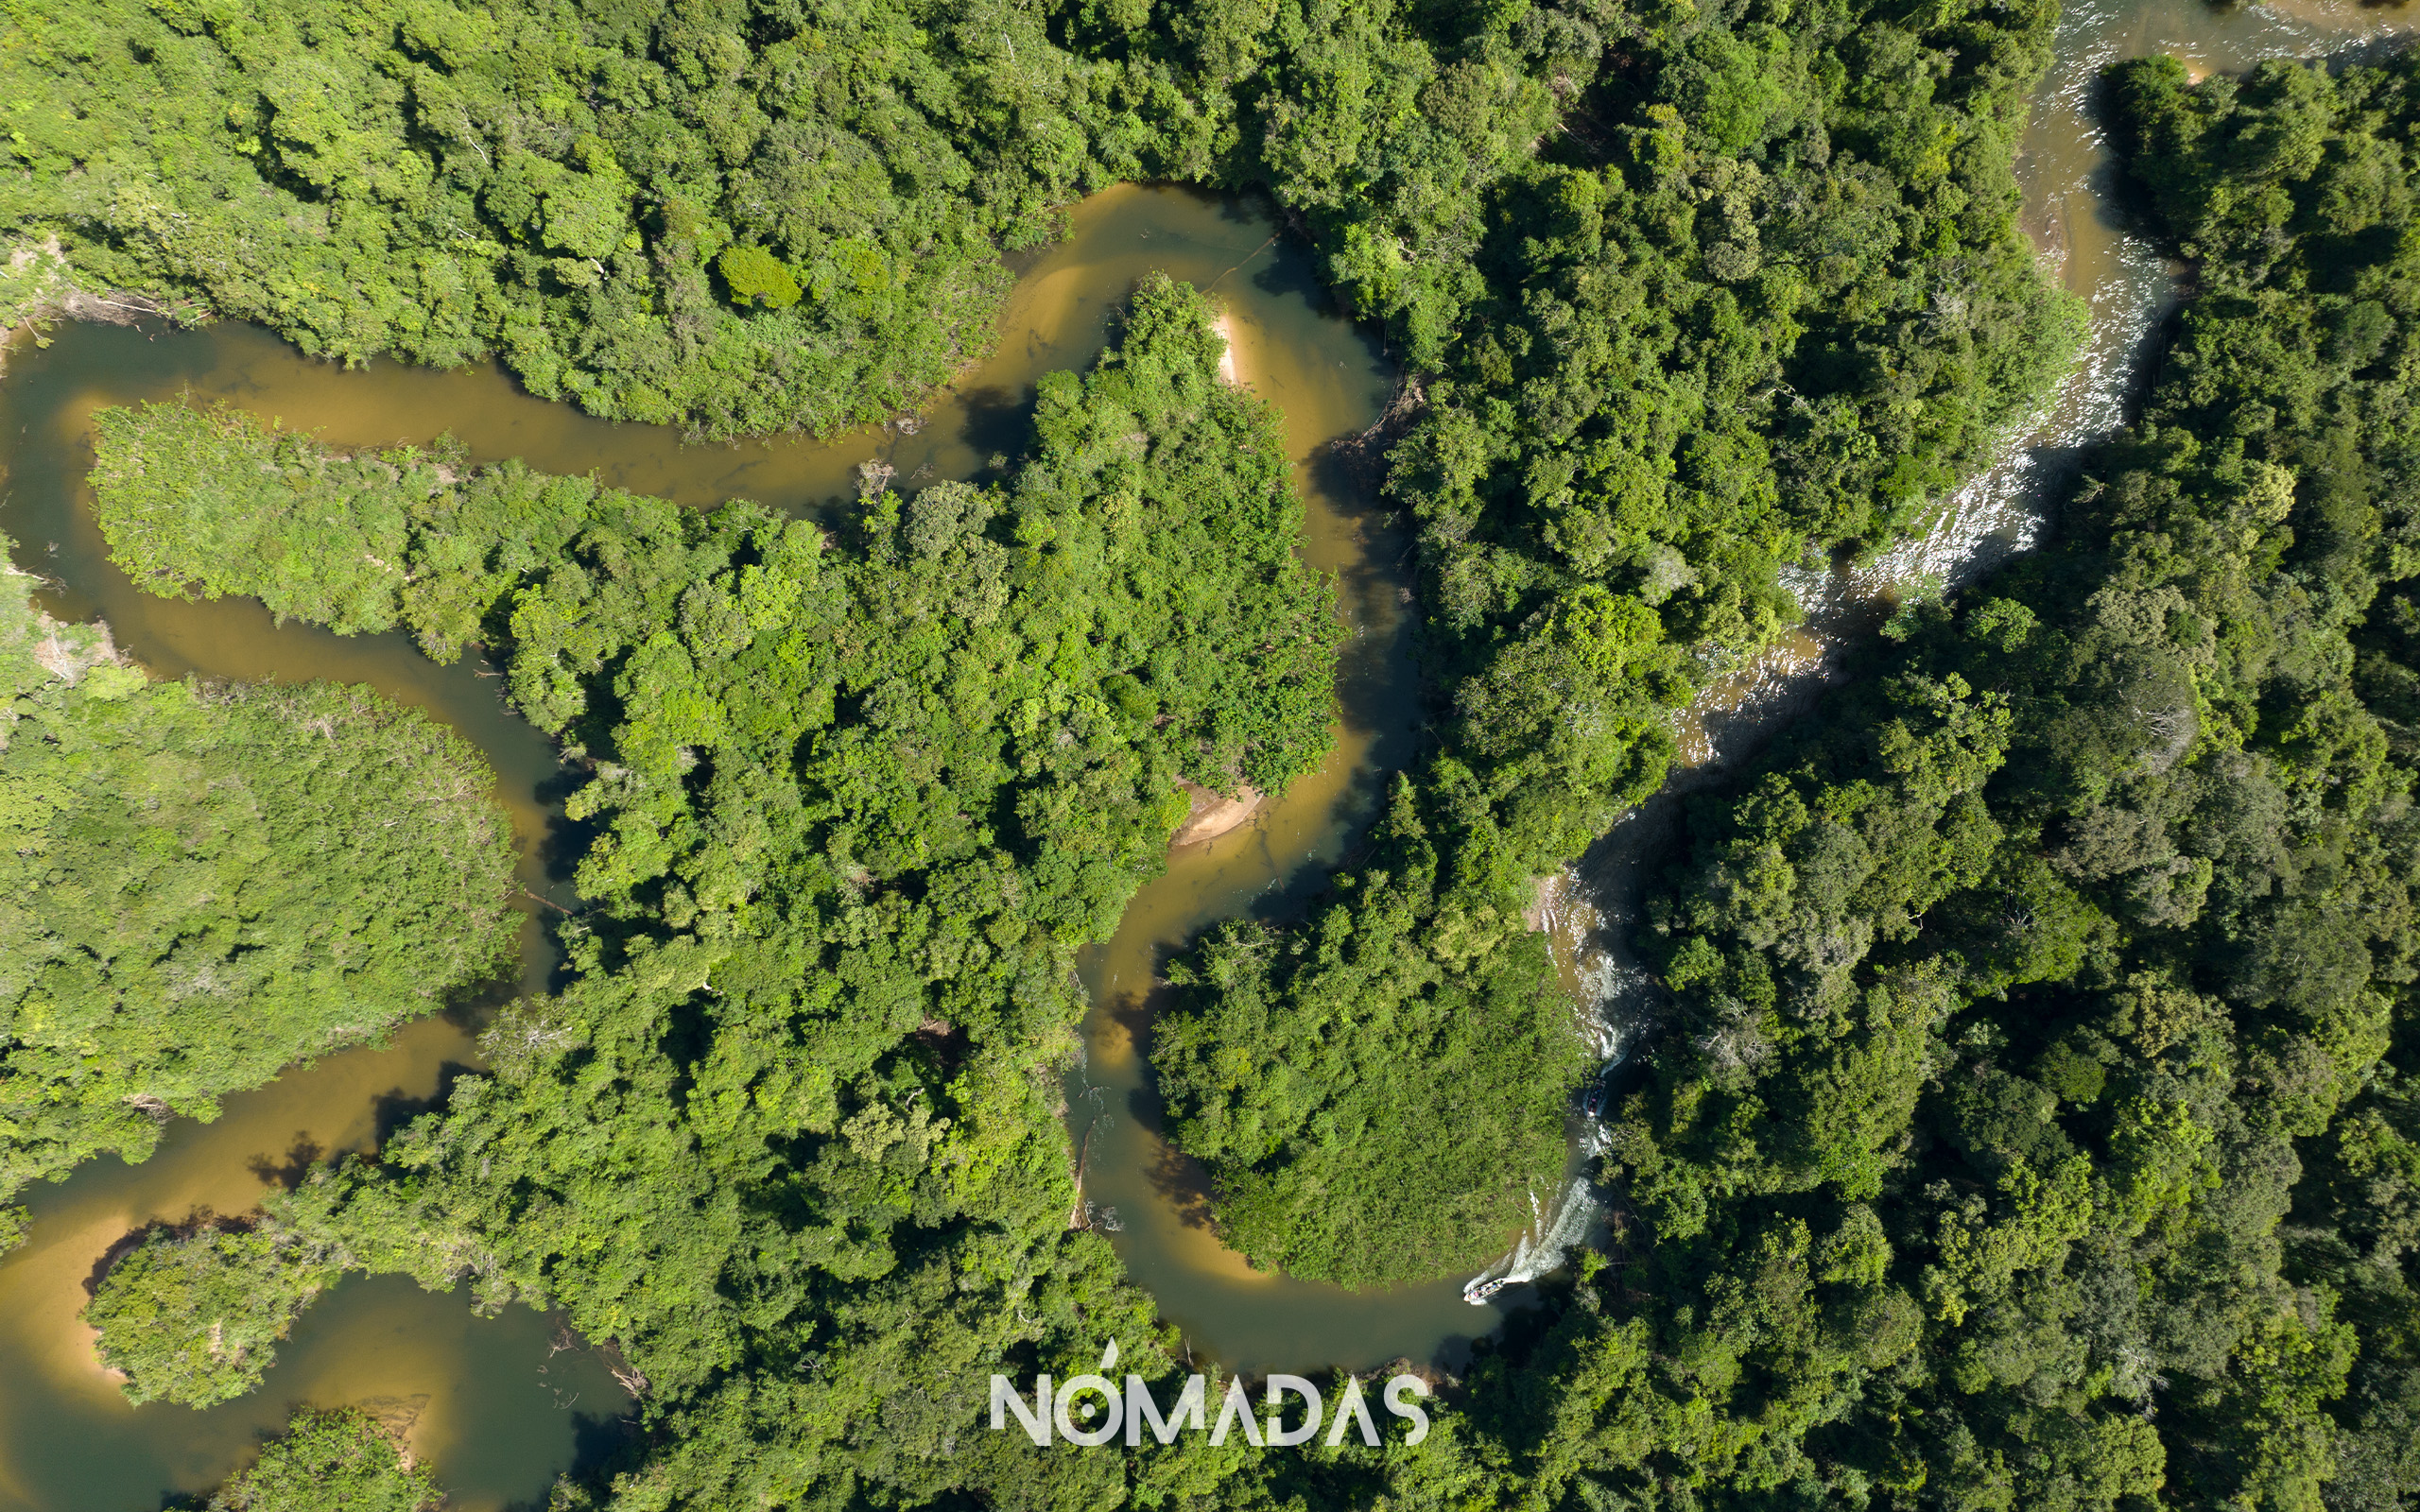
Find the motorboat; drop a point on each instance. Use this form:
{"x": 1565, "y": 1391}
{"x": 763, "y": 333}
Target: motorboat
{"x": 1479, "y": 1288}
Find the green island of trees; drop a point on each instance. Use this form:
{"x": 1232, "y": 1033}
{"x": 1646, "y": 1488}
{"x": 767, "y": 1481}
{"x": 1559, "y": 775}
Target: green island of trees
{"x": 194, "y": 1314}
{"x": 331, "y": 1461}
{"x": 202, "y": 883}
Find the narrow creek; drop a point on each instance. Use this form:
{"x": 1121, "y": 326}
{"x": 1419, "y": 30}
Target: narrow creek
{"x": 2077, "y": 211}
{"x": 501, "y": 1405}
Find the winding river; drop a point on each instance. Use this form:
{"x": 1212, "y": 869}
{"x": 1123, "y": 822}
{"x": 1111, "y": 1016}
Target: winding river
{"x": 501, "y": 1405}
{"x": 2075, "y": 212}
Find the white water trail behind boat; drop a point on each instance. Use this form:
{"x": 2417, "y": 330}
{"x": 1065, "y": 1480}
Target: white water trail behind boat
{"x": 1552, "y": 1232}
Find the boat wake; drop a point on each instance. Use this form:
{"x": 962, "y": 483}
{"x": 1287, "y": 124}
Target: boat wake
{"x": 1552, "y": 1231}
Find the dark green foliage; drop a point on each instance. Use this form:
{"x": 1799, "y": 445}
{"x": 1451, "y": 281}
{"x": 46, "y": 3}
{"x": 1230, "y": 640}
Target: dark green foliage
{"x": 552, "y": 184}
{"x": 195, "y": 1315}
{"x": 2030, "y": 1126}
{"x": 1765, "y": 296}
{"x": 790, "y": 1138}
{"x": 782, "y": 731}
{"x": 339, "y": 1460}
{"x": 214, "y": 501}
{"x": 204, "y": 883}
{"x": 1367, "y": 1101}
{"x": 560, "y": 185}
{"x": 1771, "y": 300}
{"x": 1689, "y": 292}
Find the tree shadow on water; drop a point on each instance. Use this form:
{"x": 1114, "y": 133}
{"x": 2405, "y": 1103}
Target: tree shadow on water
{"x": 1292, "y": 273}
{"x": 290, "y": 1170}
{"x": 601, "y": 1445}
{"x": 1000, "y": 422}
{"x": 567, "y": 839}
{"x": 390, "y": 1111}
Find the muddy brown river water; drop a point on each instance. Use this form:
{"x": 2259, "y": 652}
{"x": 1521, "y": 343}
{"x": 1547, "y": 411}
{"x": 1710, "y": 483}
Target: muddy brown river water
{"x": 501, "y": 1405}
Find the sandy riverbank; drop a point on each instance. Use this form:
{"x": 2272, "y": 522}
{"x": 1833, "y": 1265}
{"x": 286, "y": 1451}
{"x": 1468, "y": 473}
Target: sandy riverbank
{"x": 1214, "y": 813}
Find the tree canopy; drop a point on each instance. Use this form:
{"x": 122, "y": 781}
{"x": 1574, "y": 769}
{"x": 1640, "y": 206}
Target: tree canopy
{"x": 2031, "y": 1119}
{"x": 756, "y": 216}
{"x": 2028, "y": 1126}
{"x": 205, "y": 883}
{"x": 790, "y": 1137}
{"x": 1762, "y": 296}
{"x": 194, "y": 1314}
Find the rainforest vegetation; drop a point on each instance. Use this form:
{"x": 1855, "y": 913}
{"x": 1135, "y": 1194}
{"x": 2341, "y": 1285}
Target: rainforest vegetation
{"x": 1764, "y": 295}
{"x": 194, "y": 1314}
{"x": 790, "y": 1138}
{"x": 993, "y": 691}
{"x": 1683, "y": 295}
{"x": 2027, "y": 1129}
{"x": 755, "y": 215}
{"x": 2031, "y": 1125}
{"x": 339, "y": 1460}
{"x": 203, "y": 884}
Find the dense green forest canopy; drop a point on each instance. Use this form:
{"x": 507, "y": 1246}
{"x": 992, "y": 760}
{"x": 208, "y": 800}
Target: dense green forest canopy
{"x": 1764, "y": 295}
{"x": 1684, "y": 293}
{"x": 2030, "y": 1129}
{"x": 993, "y": 691}
{"x": 1689, "y": 288}
{"x": 203, "y": 884}
{"x": 194, "y": 1313}
{"x": 789, "y": 1140}
{"x": 1388, "y": 1102}
{"x": 753, "y": 217}
{"x": 745, "y": 218}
